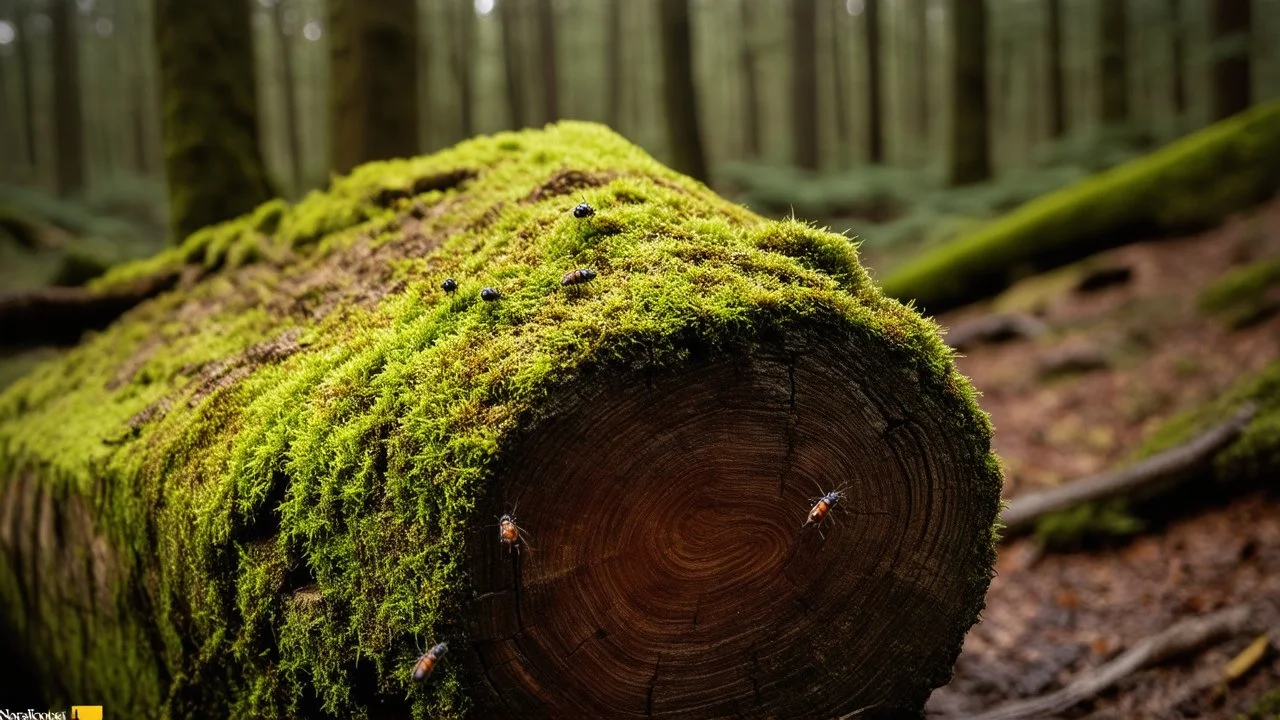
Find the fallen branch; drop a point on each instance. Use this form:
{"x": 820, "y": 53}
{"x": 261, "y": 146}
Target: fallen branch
{"x": 1183, "y": 637}
{"x": 60, "y": 315}
{"x": 1023, "y": 512}
{"x": 994, "y": 328}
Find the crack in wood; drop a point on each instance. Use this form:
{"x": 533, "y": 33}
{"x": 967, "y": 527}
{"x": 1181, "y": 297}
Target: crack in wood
{"x": 653, "y": 682}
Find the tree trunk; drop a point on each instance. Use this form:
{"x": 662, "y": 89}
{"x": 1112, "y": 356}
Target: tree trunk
{"x": 28, "y": 78}
{"x": 750, "y": 79}
{"x": 547, "y": 60}
{"x": 255, "y": 497}
{"x": 804, "y": 83}
{"x": 969, "y": 154}
{"x": 210, "y": 115}
{"x": 614, "y": 75}
{"x": 1057, "y": 89}
{"x": 875, "y": 99}
{"x": 68, "y": 119}
{"x": 1231, "y": 68}
{"x": 1113, "y": 81}
{"x": 373, "y": 80}
{"x": 464, "y": 23}
{"x": 678, "y": 92}
{"x": 1178, "y": 74}
{"x": 920, "y": 21}
{"x": 511, "y": 61}
{"x": 839, "y": 81}
{"x": 285, "y": 42}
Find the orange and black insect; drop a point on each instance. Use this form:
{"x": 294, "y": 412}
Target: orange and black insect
{"x": 822, "y": 508}
{"x": 509, "y": 533}
{"x": 427, "y": 663}
{"x": 577, "y": 277}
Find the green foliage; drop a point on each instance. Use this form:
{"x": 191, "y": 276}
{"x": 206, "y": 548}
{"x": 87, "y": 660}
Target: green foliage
{"x": 1071, "y": 528}
{"x": 1266, "y": 708}
{"x": 1191, "y": 183}
{"x": 1241, "y": 296}
{"x": 304, "y": 437}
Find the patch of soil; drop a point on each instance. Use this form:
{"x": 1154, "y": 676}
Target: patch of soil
{"x": 1049, "y": 618}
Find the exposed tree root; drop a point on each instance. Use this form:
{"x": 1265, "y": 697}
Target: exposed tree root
{"x": 60, "y": 315}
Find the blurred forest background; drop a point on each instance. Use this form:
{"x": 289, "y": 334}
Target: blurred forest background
{"x": 905, "y": 121}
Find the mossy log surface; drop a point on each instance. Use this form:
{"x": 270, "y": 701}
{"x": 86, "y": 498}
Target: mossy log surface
{"x": 257, "y": 494}
{"x": 1189, "y": 185}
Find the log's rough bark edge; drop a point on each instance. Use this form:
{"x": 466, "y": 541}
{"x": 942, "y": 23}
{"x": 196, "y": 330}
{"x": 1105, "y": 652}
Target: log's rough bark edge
{"x": 1024, "y": 511}
{"x": 288, "y": 460}
{"x": 1183, "y": 637}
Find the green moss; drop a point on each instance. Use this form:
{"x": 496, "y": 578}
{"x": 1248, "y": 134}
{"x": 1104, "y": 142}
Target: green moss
{"x": 1266, "y": 708}
{"x": 1241, "y": 296}
{"x": 1191, "y": 183}
{"x": 303, "y": 442}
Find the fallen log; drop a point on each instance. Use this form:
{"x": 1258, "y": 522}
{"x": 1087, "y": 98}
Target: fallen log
{"x": 61, "y": 315}
{"x": 1177, "y": 462}
{"x": 1183, "y": 637}
{"x": 1191, "y": 184}
{"x": 267, "y": 494}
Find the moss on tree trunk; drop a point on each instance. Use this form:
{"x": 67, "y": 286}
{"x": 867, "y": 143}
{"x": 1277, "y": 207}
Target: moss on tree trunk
{"x": 209, "y": 113}
{"x": 256, "y": 495}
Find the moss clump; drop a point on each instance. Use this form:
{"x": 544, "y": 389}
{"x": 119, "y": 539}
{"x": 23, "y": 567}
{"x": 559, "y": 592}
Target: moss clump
{"x": 285, "y": 459}
{"x": 1191, "y": 183}
{"x": 1243, "y": 296}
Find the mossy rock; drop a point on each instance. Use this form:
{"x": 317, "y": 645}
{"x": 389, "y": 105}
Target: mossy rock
{"x": 1190, "y": 184}
{"x": 257, "y": 495}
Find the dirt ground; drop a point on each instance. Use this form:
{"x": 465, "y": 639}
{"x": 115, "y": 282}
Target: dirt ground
{"x": 1116, "y": 362}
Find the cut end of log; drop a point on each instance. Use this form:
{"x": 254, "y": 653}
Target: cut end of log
{"x": 670, "y": 571}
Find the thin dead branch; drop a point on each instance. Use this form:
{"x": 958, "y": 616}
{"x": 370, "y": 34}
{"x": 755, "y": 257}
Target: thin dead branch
{"x": 1167, "y": 467}
{"x": 1181, "y": 638}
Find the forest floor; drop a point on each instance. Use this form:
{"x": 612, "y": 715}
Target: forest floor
{"x": 1116, "y": 362}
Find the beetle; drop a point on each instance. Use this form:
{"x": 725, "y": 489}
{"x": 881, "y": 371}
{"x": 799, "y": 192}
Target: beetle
{"x": 449, "y": 285}
{"x": 577, "y": 277}
{"x": 427, "y": 663}
{"x": 489, "y": 294}
{"x": 509, "y": 533}
{"x": 822, "y": 508}
{"x": 583, "y": 210}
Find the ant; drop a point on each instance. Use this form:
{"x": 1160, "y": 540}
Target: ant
{"x": 427, "y": 663}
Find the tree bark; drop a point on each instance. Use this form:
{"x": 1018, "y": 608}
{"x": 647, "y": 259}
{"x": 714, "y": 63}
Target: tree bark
{"x": 750, "y": 79}
{"x": 969, "y": 153}
{"x": 920, "y": 21}
{"x": 547, "y": 61}
{"x": 252, "y": 498}
{"x": 511, "y": 61}
{"x": 210, "y": 117}
{"x": 1232, "y": 73}
{"x": 678, "y": 91}
{"x": 373, "y": 80}
{"x": 1113, "y": 80}
{"x": 804, "y": 83}
{"x": 68, "y": 118}
{"x": 1057, "y": 89}
{"x": 875, "y": 99}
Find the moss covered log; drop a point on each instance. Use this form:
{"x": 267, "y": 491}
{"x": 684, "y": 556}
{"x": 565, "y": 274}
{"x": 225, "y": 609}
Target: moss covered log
{"x": 1189, "y": 185}
{"x": 259, "y": 494}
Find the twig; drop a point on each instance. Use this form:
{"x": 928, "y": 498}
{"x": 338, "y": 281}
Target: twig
{"x": 996, "y": 327}
{"x": 1023, "y": 512}
{"x": 1183, "y": 637}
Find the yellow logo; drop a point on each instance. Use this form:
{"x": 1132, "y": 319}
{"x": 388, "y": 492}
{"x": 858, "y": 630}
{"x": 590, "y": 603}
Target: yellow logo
{"x": 86, "y": 712}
